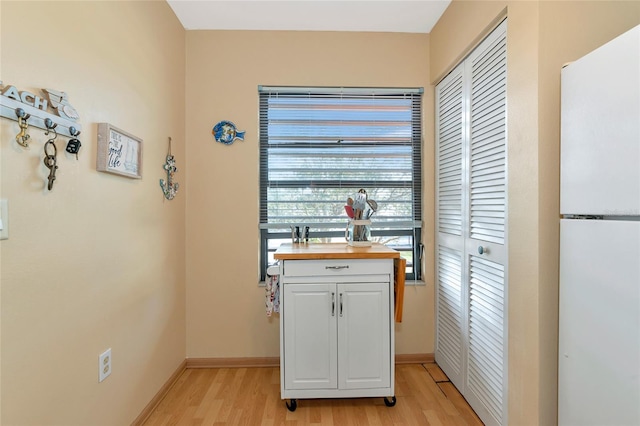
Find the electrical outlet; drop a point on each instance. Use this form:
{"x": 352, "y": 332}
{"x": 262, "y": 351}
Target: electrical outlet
{"x": 104, "y": 365}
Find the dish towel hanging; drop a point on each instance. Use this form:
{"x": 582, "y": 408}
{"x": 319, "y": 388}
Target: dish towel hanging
{"x": 272, "y": 292}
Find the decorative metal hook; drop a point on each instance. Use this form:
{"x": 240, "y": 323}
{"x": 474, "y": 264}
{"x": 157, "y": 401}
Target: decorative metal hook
{"x": 169, "y": 187}
{"x": 51, "y": 127}
{"x": 21, "y": 114}
{"x": 23, "y": 137}
{"x": 49, "y": 124}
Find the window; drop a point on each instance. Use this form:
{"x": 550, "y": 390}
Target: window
{"x": 319, "y": 146}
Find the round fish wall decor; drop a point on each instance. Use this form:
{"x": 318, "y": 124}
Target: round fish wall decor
{"x": 226, "y": 132}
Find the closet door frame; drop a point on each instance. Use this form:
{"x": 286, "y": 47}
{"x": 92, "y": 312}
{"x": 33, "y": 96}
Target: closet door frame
{"x": 492, "y": 252}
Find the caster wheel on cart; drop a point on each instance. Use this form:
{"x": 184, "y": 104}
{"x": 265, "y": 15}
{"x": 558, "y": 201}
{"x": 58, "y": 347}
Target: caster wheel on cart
{"x": 294, "y": 405}
{"x": 390, "y": 402}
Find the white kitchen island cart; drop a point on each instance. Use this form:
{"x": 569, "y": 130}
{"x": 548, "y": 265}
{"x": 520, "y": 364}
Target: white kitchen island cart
{"x": 336, "y": 322}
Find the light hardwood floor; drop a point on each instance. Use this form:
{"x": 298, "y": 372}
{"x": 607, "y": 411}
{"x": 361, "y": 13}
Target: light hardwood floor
{"x": 251, "y": 396}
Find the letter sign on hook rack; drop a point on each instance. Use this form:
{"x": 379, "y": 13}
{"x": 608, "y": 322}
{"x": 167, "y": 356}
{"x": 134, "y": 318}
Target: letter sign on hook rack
{"x": 32, "y": 110}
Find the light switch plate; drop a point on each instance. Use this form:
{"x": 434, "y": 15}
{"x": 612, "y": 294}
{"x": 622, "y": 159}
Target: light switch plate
{"x": 4, "y": 216}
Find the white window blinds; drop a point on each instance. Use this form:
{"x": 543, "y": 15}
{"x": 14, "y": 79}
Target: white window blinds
{"x": 318, "y": 146}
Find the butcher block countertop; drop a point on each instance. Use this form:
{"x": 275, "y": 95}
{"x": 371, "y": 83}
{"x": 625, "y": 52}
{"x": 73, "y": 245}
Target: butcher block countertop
{"x": 289, "y": 251}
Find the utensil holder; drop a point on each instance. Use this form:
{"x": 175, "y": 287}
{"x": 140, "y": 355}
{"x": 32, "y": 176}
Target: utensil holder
{"x": 359, "y": 233}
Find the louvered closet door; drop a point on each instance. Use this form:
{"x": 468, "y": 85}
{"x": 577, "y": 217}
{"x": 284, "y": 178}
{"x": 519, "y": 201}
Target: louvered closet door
{"x": 486, "y": 233}
{"x": 450, "y": 312}
{"x": 471, "y": 227}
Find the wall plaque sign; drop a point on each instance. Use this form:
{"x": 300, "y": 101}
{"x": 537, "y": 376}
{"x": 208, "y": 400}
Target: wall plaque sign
{"x": 119, "y": 152}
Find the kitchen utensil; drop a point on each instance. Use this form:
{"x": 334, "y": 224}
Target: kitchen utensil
{"x": 349, "y": 211}
{"x": 360, "y": 201}
{"x": 373, "y": 208}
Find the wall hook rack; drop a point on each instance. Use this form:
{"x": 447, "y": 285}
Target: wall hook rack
{"x": 29, "y": 109}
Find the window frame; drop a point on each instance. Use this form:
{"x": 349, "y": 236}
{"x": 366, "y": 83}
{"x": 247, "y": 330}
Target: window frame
{"x": 412, "y": 228}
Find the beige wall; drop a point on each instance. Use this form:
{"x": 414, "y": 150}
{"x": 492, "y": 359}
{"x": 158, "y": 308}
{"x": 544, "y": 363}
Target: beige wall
{"x": 541, "y": 36}
{"x": 225, "y": 306}
{"x": 99, "y": 261}
{"x": 582, "y": 27}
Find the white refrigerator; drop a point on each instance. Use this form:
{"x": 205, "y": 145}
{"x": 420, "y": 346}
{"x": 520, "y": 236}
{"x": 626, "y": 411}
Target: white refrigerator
{"x": 599, "y": 317}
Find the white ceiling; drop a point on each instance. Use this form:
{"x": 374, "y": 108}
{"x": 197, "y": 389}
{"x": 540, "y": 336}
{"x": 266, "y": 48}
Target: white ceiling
{"x": 408, "y": 16}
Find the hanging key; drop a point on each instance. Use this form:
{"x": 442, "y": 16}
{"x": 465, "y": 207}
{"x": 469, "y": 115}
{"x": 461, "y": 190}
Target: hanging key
{"x": 50, "y": 160}
{"x": 73, "y": 146}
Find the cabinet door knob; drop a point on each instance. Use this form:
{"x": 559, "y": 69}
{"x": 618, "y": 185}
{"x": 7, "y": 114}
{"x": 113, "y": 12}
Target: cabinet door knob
{"x": 482, "y": 250}
{"x": 340, "y": 304}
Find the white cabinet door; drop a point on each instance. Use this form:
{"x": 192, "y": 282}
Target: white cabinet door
{"x": 337, "y": 336}
{"x": 364, "y": 336}
{"x": 310, "y": 346}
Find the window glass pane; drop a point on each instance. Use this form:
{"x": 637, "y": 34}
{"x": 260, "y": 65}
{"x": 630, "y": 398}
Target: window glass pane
{"x": 326, "y": 205}
{"x": 339, "y": 162}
